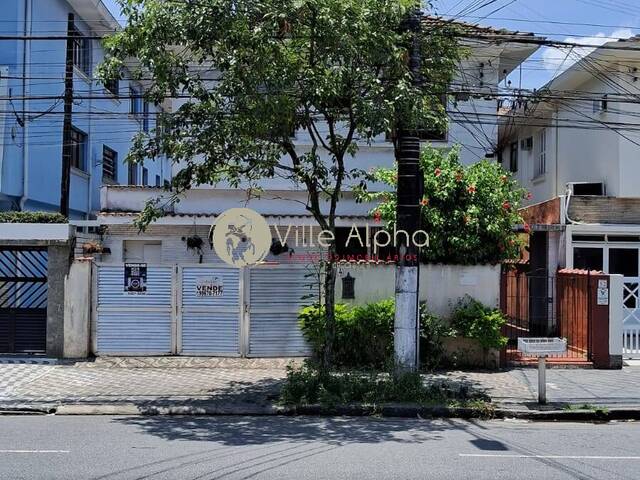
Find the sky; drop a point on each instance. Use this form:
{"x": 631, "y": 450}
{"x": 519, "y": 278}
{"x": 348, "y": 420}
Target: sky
{"x": 590, "y": 22}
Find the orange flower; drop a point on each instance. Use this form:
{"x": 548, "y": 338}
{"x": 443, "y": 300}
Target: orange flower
{"x": 459, "y": 176}
{"x": 438, "y": 172}
{"x": 506, "y": 205}
{"x": 424, "y": 202}
{"x": 504, "y": 178}
{"x": 529, "y": 196}
{"x": 471, "y": 189}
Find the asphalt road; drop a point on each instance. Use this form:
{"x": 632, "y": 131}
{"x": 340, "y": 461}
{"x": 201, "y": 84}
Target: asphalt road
{"x": 199, "y": 448}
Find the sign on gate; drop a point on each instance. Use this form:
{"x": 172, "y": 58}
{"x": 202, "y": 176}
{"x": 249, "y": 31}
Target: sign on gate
{"x": 209, "y": 287}
{"x": 135, "y": 278}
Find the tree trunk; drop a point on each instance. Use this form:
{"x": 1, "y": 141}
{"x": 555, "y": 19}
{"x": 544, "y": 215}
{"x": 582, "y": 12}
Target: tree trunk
{"x": 329, "y": 304}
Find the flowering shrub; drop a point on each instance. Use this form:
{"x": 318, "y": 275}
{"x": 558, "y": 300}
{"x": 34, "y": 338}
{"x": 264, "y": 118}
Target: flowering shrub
{"x": 469, "y": 212}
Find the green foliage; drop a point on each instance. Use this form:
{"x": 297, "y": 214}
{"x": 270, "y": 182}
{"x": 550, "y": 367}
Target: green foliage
{"x": 251, "y": 73}
{"x": 364, "y": 334}
{"x": 31, "y": 217}
{"x": 308, "y": 385}
{"x": 471, "y": 319}
{"x": 468, "y": 211}
{"x": 432, "y": 331}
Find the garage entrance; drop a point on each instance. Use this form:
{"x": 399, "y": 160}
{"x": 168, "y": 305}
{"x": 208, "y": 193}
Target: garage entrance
{"x": 23, "y": 299}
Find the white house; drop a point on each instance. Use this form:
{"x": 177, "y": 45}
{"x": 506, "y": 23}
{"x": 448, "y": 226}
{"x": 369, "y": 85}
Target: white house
{"x": 575, "y": 146}
{"x": 473, "y": 107}
{"x": 258, "y": 313}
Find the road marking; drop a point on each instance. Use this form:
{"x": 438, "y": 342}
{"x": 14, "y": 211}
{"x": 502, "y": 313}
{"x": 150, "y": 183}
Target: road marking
{"x": 552, "y": 457}
{"x": 35, "y": 451}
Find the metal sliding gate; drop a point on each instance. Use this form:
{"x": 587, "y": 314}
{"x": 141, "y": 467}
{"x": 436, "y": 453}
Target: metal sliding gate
{"x": 210, "y": 315}
{"x": 134, "y": 324}
{"x": 206, "y": 310}
{"x": 23, "y": 299}
{"x": 275, "y": 296}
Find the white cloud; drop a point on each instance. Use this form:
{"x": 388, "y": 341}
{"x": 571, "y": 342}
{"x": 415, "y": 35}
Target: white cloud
{"x": 557, "y": 61}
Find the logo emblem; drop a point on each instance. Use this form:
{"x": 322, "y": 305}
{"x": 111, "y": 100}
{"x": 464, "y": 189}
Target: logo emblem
{"x": 241, "y": 237}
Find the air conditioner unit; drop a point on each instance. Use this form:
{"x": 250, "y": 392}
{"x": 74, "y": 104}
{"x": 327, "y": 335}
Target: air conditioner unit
{"x": 593, "y": 189}
{"x": 526, "y": 144}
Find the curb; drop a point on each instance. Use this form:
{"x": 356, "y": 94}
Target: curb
{"x": 388, "y": 411}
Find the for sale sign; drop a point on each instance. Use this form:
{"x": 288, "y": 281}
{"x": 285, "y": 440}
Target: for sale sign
{"x": 209, "y": 287}
{"x": 135, "y": 278}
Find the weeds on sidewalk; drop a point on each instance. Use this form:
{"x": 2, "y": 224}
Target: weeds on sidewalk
{"x": 585, "y": 406}
{"x": 308, "y": 385}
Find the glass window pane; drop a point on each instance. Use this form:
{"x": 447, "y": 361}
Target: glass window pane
{"x": 623, "y": 261}
{"x": 588, "y": 258}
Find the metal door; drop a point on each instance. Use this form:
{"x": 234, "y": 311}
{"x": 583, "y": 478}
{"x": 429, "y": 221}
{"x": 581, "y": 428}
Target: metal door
{"x": 210, "y": 314}
{"x": 23, "y": 299}
{"x": 138, "y": 324}
{"x": 275, "y": 295}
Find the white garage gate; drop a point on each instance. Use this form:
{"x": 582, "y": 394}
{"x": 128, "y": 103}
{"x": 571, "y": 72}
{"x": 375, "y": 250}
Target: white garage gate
{"x": 210, "y": 315}
{"x": 134, "y": 324}
{"x": 203, "y": 310}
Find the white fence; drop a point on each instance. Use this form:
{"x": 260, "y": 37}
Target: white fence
{"x": 631, "y": 325}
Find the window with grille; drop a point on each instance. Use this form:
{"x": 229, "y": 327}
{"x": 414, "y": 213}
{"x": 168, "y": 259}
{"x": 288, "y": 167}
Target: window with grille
{"x": 113, "y": 86}
{"x": 78, "y": 149}
{"x": 81, "y": 52}
{"x": 109, "y": 164}
{"x": 135, "y": 105}
{"x": 132, "y": 174}
{"x": 513, "y": 157}
{"x": 145, "y": 117}
{"x": 541, "y": 157}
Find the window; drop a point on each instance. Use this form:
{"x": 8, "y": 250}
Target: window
{"x": 588, "y": 258}
{"x": 157, "y": 180}
{"x": 81, "y": 52}
{"x": 109, "y": 164}
{"x": 145, "y": 176}
{"x": 513, "y": 157}
{"x": 113, "y": 86}
{"x": 78, "y": 148}
{"x": 135, "y": 106}
{"x": 133, "y": 174}
{"x": 145, "y": 118}
{"x": 623, "y": 261}
{"x": 601, "y": 105}
{"x": 541, "y": 157}
{"x": 142, "y": 251}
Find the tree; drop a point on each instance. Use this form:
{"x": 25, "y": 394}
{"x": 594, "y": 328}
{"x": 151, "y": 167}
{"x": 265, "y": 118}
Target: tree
{"x": 253, "y": 72}
{"x": 469, "y": 212}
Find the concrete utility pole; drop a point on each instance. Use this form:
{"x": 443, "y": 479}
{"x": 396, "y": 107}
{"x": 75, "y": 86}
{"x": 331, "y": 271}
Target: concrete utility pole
{"x": 68, "y": 113}
{"x": 410, "y": 190}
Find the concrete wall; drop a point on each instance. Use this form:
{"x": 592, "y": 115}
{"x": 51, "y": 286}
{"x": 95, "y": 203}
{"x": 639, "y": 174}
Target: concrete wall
{"x": 441, "y": 286}
{"x": 77, "y": 309}
{"x": 59, "y": 263}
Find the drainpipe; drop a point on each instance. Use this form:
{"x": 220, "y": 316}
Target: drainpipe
{"x": 26, "y": 73}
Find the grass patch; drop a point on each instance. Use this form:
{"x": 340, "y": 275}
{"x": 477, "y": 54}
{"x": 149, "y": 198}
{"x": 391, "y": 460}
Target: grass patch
{"x": 585, "y": 406}
{"x": 307, "y": 385}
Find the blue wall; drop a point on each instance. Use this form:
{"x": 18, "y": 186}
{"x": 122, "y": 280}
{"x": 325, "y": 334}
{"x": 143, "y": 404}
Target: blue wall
{"x": 106, "y": 121}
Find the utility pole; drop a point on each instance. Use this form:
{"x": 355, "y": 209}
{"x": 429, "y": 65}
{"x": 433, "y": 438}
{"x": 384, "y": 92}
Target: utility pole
{"x": 410, "y": 190}
{"x": 68, "y": 114}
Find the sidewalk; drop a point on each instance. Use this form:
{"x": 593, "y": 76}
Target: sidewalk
{"x": 241, "y": 386}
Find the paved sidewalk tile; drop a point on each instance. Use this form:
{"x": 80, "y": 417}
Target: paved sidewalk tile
{"x": 237, "y": 381}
